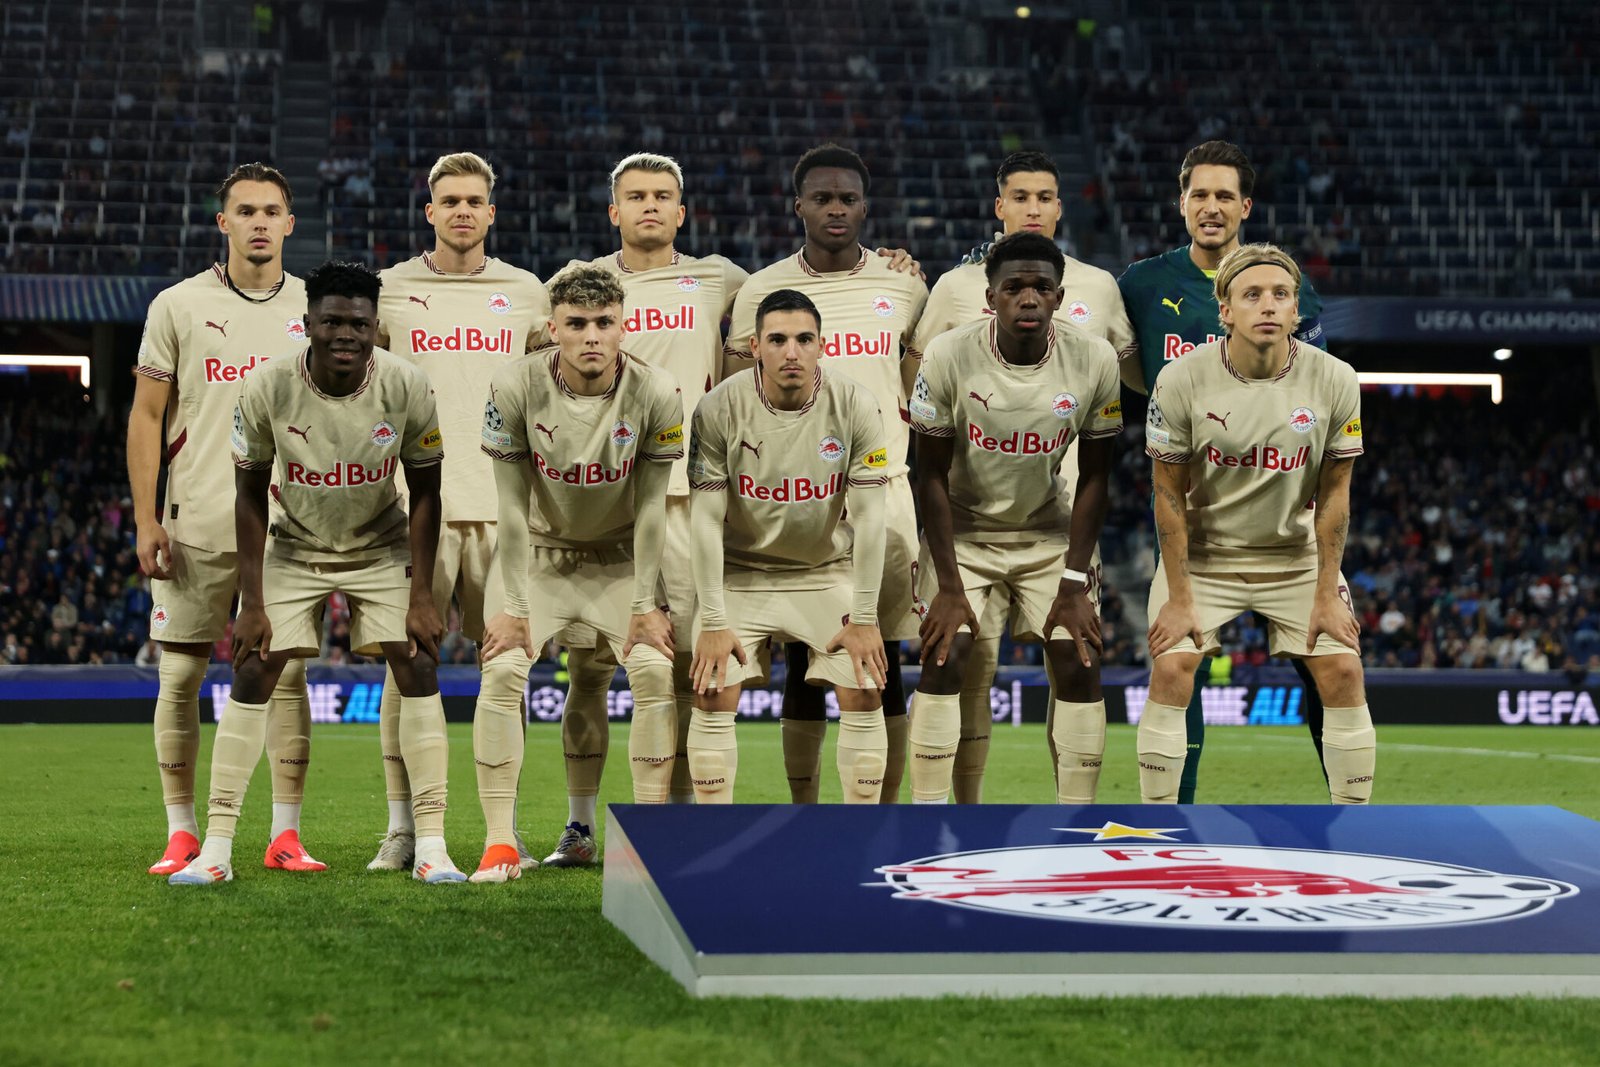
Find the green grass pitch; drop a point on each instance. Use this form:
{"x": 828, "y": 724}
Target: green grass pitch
{"x": 101, "y": 963}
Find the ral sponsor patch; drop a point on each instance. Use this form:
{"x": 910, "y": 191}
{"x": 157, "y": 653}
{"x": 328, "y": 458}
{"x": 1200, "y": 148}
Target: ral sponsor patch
{"x": 672, "y": 435}
{"x": 432, "y": 439}
{"x": 876, "y": 459}
{"x": 1352, "y": 428}
{"x": 1112, "y": 410}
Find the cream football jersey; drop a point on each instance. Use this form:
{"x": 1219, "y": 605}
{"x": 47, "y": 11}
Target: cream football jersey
{"x": 868, "y": 316}
{"x": 785, "y": 474}
{"x": 336, "y": 456}
{"x": 460, "y": 329}
{"x": 1255, "y": 449}
{"x": 582, "y": 448}
{"x": 1012, "y": 425}
{"x": 673, "y": 318}
{"x": 204, "y": 337}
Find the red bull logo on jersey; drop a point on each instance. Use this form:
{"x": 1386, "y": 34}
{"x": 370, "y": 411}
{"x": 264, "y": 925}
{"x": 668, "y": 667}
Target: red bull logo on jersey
{"x": 654, "y": 320}
{"x": 1020, "y": 443}
{"x": 858, "y": 344}
{"x": 347, "y": 475}
{"x": 463, "y": 339}
{"x": 499, "y": 303}
{"x": 583, "y": 475}
{"x": 1219, "y": 887}
{"x": 220, "y": 370}
{"x": 790, "y": 490}
{"x": 1261, "y": 457}
{"x": 1173, "y": 346}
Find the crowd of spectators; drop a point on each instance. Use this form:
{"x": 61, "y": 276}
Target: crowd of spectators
{"x": 1474, "y": 543}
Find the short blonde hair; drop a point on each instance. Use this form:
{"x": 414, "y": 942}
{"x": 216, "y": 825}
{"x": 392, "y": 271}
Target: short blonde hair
{"x": 585, "y": 287}
{"x": 650, "y": 162}
{"x": 1242, "y": 259}
{"x": 459, "y": 165}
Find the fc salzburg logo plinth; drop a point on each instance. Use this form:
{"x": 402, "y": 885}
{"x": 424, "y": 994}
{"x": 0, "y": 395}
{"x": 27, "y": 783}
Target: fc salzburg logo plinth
{"x": 1232, "y": 887}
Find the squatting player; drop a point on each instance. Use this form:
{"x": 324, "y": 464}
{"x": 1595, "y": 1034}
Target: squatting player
{"x": 676, "y": 304}
{"x": 337, "y": 421}
{"x": 202, "y": 337}
{"x": 1028, "y": 201}
{"x": 1174, "y": 311}
{"x": 459, "y": 314}
{"x": 780, "y": 449}
{"x": 871, "y": 309}
{"x": 586, "y": 437}
{"x": 997, "y": 403}
{"x": 1253, "y": 438}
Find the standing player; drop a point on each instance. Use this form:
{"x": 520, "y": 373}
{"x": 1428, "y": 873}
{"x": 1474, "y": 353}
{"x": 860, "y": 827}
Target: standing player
{"x": 871, "y": 309}
{"x": 202, "y": 337}
{"x": 460, "y": 315}
{"x": 1016, "y": 391}
{"x": 777, "y": 450}
{"x": 336, "y": 421}
{"x": 589, "y": 435}
{"x": 1028, "y": 201}
{"x": 676, "y": 304}
{"x": 1254, "y": 437}
{"x": 1174, "y": 311}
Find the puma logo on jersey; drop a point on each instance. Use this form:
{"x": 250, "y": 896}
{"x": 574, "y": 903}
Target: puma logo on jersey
{"x": 755, "y": 448}
{"x": 423, "y": 300}
{"x": 548, "y": 431}
{"x": 984, "y": 400}
{"x": 1220, "y": 418}
{"x": 303, "y": 433}
{"x": 223, "y": 329}
{"x": 1177, "y": 309}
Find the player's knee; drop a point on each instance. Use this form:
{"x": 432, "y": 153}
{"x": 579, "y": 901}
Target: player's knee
{"x": 946, "y": 678}
{"x": 590, "y": 668}
{"x": 649, "y": 671}
{"x": 1073, "y": 680}
{"x": 253, "y": 680}
{"x": 1340, "y": 680}
{"x": 859, "y": 700}
{"x": 1173, "y": 674}
{"x": 415, "y": 676}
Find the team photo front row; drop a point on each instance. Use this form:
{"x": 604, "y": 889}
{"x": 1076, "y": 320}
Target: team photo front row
{"x": 690, "y": 500}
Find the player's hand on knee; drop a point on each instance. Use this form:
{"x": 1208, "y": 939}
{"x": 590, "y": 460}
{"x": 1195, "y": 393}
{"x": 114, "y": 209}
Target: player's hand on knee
{"x": 652, "y": 628}
{"x": 708, "y": 669}
{"x": 1073, "y": 612}
{"x": 251, "y": 633}
{"x": 865, "y": 645}
{"x": 946, "y": 615}
{"x": 502, "y": 633}
{"x": 424, "y": 629}
{"x": 1173, "y": 623}
{"x": 902, "y": 262}
{"x": 155, "y": 551}
{"x": 1332, "y": 616}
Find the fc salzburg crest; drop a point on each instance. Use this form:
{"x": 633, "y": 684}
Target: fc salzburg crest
{"x": 1221, "y": 887}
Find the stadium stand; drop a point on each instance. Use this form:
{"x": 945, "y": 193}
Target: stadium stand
{"x": 1399, "y": 150}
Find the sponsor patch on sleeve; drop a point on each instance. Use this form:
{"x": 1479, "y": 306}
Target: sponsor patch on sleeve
{"x": 1112, "y": 410}
{"x": 239, "y": 444}
{"x": 1160, "y": 437}
{"x": 1352, "y": 428}
{"x": 432, "y": 439}
{"x": 672, "y": 435}
{"x": 878, "y": 457}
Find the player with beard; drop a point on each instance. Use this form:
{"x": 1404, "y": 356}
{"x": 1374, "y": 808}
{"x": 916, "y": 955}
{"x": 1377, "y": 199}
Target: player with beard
{"x": 870, "y": 311}
{"x": 1028, "y": 200}
{"x": 336, "y": 421}
{"x": 1254, "y": 438}
{"x": 586, "y": 436}
{"x": 779, "y": 449}
{"x": 201, "y": 338}
{"x": 460, "y": 315}
{"x": 676, "y": 304}
{"x": 997, "y": 403}
{"x": 1173, "y": 308}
